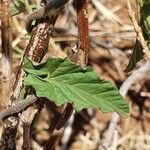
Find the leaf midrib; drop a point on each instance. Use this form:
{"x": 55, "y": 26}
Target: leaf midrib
{"x": 77, "y": 89}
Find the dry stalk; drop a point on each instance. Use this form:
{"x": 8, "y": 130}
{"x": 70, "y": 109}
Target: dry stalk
{"x": 27, "y": 119}
{"x": 138, "y": 30}
{"x": 83, "y": 31}
{"x": 6, "y": 51}
{"x": 108, "y": 14}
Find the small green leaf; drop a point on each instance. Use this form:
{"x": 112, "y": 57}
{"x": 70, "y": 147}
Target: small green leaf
{"x": 63, "y": 82}
{"x": 136, "y": 56}
{"x": 17, "y": 7}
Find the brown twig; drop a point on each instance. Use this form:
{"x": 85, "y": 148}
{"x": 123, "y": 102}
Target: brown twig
{"x": 9, "y": 135}
{"x": 83, "y": 30}
{"x": 6, "y": 51}
{"x": 18, "y": 107}
{"x": 27, "y": 119}
{"x": 59, "y": 126}
{"x": 9, "y": 132}
{"x": 138, "y": 30}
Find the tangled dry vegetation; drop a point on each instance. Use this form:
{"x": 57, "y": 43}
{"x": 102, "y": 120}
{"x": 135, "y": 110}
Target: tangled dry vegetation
{"x": 112, "y": 40}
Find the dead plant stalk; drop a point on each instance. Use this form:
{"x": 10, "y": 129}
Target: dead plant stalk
{"x": 138, "y": 30}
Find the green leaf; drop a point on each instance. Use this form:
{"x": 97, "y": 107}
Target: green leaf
{"x": 17, "y": 7}
{"x": 63, "y": 82}
{"x": 145, "y": 20}
{"x": 136, "y": 56}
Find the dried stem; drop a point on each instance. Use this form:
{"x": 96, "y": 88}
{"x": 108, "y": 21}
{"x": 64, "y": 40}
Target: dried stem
{"x": 9, "y": 134}
{"x": 27, "y": 118}
{"x": 83, "y": 30}
{"x": 6, "y": 51}
{"x": 59, "y": 126}
{"x": 138, "y": 30}
{"x": 68, "y": 132}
